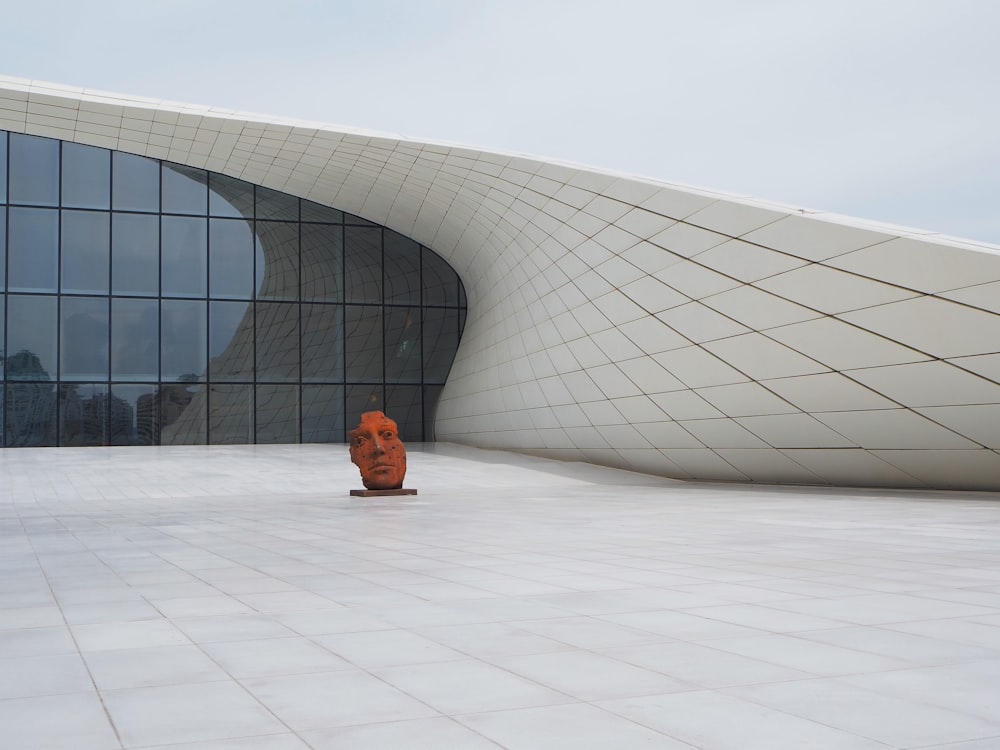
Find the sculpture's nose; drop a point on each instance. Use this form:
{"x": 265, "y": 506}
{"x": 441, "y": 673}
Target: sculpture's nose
{"x": 379, "y": 450}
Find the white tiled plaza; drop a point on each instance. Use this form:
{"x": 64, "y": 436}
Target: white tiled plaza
{"x": 235, "y": 598}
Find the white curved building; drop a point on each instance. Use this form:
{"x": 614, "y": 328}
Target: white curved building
{"x": 633, "y": 323}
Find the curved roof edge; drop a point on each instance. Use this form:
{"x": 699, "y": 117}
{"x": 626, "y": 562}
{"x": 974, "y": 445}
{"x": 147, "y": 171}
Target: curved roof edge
{"x": 635, "y": 323}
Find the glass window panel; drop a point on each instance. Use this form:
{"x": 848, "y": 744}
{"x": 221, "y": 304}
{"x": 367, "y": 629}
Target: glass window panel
{"x": 135, "y": 254}
{"x": 230, "y": 415}
{"x": 362, "y": 264}
{"x": 359, "y": 399}
{"x": 278, "y": 341}
{"x": 403, "y": 404}
{"x": 135, "y": 184}
{"x": 133, "y": 410}
{"x": 83, "y": 337}
{"x": 86, "y": 176}
{"x": 33, "y": 249}
{"x": 3, "y": 357}
{"x": 182, "y": 413}
{"x": 402, "y": 269}
{"x": 230, "y": 271}
{"x": 83, "y": 414}
{"x": 3, "y": 248}
{"x": 278, "y": 206}
{"x": 279, "y": 250}
{"x": 229, "y": 197}
{"x": 31, "y": 337}
{"x": 184, "y": 256}
{"x": 363, "y": 330}
{"x": 322, "y": 343}
{"x": 352, "y": 219}
{"x": 432, "y": 396}
{"x": 34, "y": 170}
{"x": 462, "y": 301}
{"x": 316, "y": 212}
{"x": 86, "y": 251}
{"x": 185, "y": 190}
{"x": 323, "y": 414}
{"x": 277, "y": 415}
{"x": 322, "y": 262}
{"x": 440, "y": 281}
{"x": 29, "y": 414}
{"x": 135, "y": 339}
{"x": 183, "y": 340}
{"x": 3, "y": 167}
{"x": 402, "y": 344}
{"x": 440, "y": 343}
{"x": 230, "y": 341}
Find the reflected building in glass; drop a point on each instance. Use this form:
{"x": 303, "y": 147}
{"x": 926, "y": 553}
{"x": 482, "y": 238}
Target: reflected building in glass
{"x": 147, "y": 303}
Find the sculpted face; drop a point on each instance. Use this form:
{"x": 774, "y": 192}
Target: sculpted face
{"x": 378, "y": 452}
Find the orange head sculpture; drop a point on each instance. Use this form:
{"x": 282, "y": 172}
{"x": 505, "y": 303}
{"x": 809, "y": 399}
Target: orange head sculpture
{"x": 378, "y": 452}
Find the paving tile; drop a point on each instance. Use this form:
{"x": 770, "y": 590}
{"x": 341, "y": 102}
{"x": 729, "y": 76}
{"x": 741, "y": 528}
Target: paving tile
{"x": 28, "y": 676}
{"x": 146, "y": 667}
{"x": 176, "y": 714}
{"x": 384, "y": 648}
{"x": 273, "y": 656}
{"x": 573, "y": 727}
{"x": 114, "y": 636}
{"x": 458, "y": 687}
{"x": 335, "y": 699}
{"x": 416, "y": 734}
{"x": 713, "y": 721}
{"x": 56, "y": 722}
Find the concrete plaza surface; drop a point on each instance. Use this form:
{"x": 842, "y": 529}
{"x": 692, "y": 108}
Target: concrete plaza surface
{"x": 235, "y": 598}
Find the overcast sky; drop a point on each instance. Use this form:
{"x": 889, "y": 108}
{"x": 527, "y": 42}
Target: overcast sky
{"x": 883, "y": 109}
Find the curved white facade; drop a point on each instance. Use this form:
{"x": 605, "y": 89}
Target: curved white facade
{"x": 633, "y": 323}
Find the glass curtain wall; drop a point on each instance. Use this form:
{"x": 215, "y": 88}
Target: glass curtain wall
{"x": 148, "y": 303}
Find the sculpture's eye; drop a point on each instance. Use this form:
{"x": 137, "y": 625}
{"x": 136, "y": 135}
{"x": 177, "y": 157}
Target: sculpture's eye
{"x": 360, "y": 441}
{"x": 387, "y": 434}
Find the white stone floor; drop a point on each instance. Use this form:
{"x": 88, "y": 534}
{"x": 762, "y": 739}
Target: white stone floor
{"x": 235, "y": 598}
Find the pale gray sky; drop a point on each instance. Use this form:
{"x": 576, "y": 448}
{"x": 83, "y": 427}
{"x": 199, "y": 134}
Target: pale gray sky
{"x": 883, "y": 109}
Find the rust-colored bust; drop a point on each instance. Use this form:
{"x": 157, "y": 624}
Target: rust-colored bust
{"x": 378, "y": 452}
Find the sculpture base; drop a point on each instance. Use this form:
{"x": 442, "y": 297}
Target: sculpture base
{"x": 382, "y": 493}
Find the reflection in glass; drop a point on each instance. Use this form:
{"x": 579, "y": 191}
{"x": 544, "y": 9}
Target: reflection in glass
{"x": 132, "y": 428}
{"x": 84, "y": 412}
{"x": 83, "y": 336}
{"x": 29, "y": 412}
{"x": 86, "y": 176}
{"x": 183, "y": 344}
{"x": 230, "y": 269}
{"x": 322, "y": 262}
{"x": 3, "y": 166}
{"x": 86, "y": 250}
{"x": 277, "y": 341}
{"x": 277, "y": 206}
{"x": 363, "y": 331}
{"x": 402, "y": 345}
{"x": 229, "y": 197}
{"x": 185, "y": 190}
{"x": 135, "y": 339}
{"x": 230, "y": 415}
{"x": 3, "y": 359}
{"x": 441, "y": 333}
{"x": 34, "y": 170}
{"x": 3, "y": 247}
{"x": 279, "y": 246}
{"x": 359, "y": 399}
{"x": 277, "y": 414}
{"x": 323, "y": 414}
{"x": 322, "y": 343}
{"x": 404, "y": 403}
{"x": 184, "y": 256}
{"x": 402, "y": 269}
{"x": 362, "y": 264}
{"x": 135, "y": 183}
{"x": 316, "y": 212}
{"x": 181, "y": 413}
{"x": 31, "y": 337}
{"x": 230, "y": 341}
{"x": 135, "y": 254}
{"x": 440, "y": 281}
{"x": 33, "y": 249}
